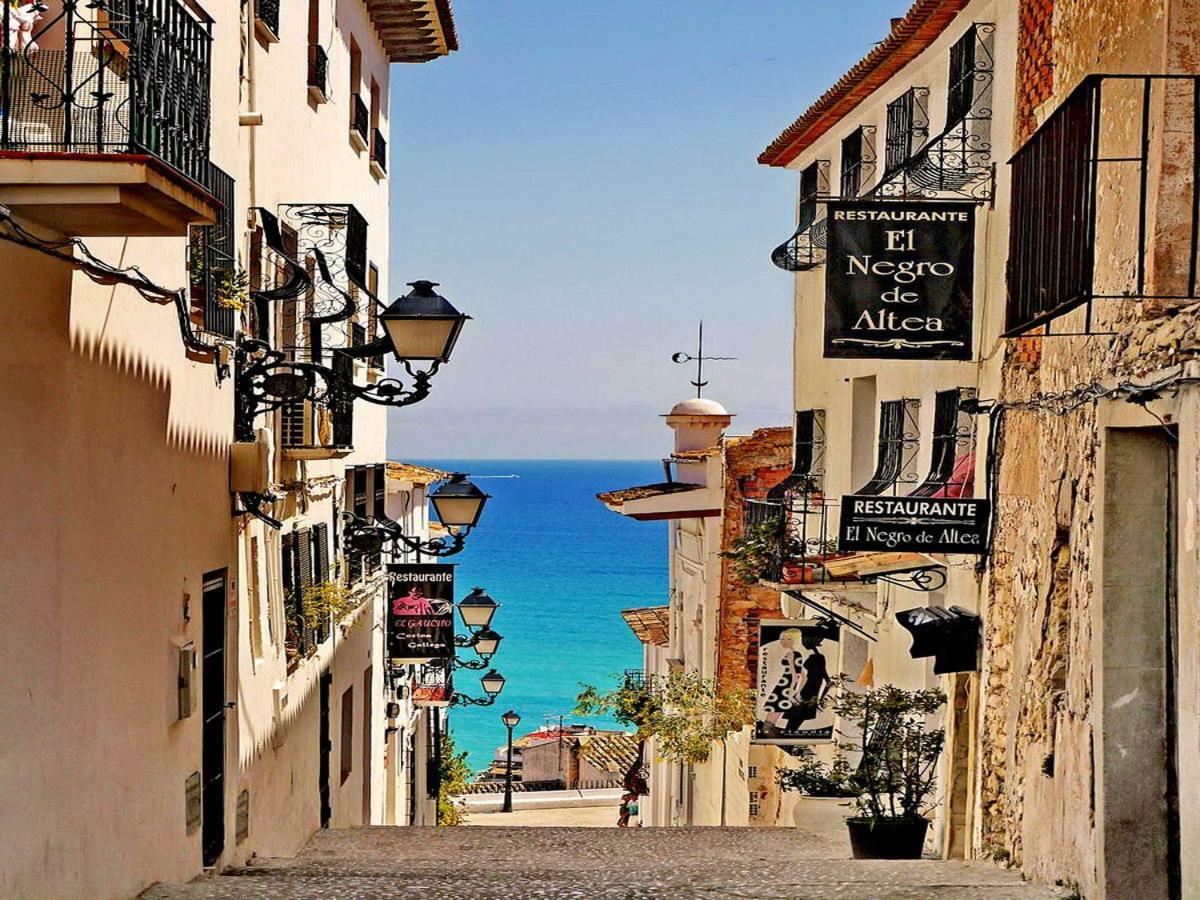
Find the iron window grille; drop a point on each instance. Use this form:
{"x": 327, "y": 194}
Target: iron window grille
{"x": 267, "y": 12}
{"x": 360, "y": 118}
{"x": 1062, "y": 221}
{"x": 122, "y": 76}
{"x": 952, "y": 460}
{"x": 899, "y": 440}
{"x": 805, "y": 249}
{"x": 957, "y": 162}
{"x": 318, "y": 72}
{"x": 379, "y": 150}
{"x": 858, "y": 161}
{"x": 907, "y": 126}
{"x": 808, "y": 456}
{"x": 214, "y": 277}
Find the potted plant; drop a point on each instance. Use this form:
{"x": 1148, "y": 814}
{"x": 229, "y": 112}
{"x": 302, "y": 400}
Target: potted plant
{"x": 895, "y": 777}
{"x": 893, "y": 781}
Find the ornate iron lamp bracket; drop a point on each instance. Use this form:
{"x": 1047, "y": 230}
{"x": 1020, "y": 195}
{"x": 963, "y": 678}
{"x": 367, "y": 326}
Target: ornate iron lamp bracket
{"x": 357, "y": 531}
{"x": 925, "y": 579}
{"x": 458, "y": 699}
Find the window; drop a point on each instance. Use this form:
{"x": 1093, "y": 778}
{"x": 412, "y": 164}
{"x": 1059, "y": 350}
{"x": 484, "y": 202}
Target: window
{"x": 952, "y": 461}
{"x": 360, "y": 116}
{"x": 296, "y": 567}
{"x": 318, "y": 59}
{"x": 347, "y": 739}
{"x": 375, "y": 362}
{"x": 970, "y": 73}
{"x": 898, "y": 441}
{"x": 755, "y": 807}
{"x": 378, "y": 143}
{"x": 752, "y": 772}
{"x": 255, "y": 597}
{"x": 213, "y": 276}
{"x": 810, "y": 188}
{"x": 858, "y": 161}
{"x": 907, "y": 126}
{"x": 266, "y": 19}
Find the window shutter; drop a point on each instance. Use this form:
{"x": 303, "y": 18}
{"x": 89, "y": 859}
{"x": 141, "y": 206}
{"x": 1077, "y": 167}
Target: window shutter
{"x": 380, "y": 486}
{"x": 304, "y": 559}
{"x": 288, "y": 569}
{"x": 320, "y": 541}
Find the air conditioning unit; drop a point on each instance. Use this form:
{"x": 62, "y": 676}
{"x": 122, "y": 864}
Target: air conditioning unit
{"x": 251, "y": 463}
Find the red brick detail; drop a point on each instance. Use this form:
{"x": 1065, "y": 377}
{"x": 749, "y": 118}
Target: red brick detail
{"x": 753, "y": 465}
{"x": 1035, "y": 62}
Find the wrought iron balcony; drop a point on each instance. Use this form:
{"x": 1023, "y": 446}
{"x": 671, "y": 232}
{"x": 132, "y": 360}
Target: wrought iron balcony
{"x": 1087, "y": 187}
{"x": 215, "y": 284}
{"x": 318, "y": 73}
{"x": 123, "y": 84}
{"x": 378, "y": 153}
{"x": 360, "y": 123}
{"x": 805, "y": 249}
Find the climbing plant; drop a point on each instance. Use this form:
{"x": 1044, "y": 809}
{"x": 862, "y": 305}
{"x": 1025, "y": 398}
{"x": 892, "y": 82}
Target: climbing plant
{"x": 455, "y": 775}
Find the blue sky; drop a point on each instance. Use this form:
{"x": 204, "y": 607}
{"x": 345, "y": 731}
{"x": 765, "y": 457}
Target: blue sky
{"x": 581, "y": 179}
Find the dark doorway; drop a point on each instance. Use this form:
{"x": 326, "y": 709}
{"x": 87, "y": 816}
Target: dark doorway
{"x": 212, "y": 738}
{"x": 326, "y": 750}
{"x": 1140, "y": 667}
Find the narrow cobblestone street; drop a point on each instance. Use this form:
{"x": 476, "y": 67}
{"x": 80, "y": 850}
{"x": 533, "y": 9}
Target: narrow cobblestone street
{"x": 487, "y": 863}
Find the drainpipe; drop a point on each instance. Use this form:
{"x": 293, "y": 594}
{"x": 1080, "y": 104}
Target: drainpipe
{"x": 252, "y": 118}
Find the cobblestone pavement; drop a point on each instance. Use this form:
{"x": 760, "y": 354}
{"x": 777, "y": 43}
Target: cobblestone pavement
{"x": 493, "y": 863}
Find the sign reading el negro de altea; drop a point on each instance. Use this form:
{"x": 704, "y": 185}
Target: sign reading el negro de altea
{"x": 420, "y": 613}
{"x": 898, "y": 280}
{"x": 914, "y": 524}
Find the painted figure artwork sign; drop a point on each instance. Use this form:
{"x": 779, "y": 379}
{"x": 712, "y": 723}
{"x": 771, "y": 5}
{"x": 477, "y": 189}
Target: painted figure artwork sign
{"x": 795, "y": 668}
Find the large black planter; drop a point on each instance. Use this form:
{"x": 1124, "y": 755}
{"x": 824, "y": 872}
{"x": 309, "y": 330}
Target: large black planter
{"x": 887, "y": 838}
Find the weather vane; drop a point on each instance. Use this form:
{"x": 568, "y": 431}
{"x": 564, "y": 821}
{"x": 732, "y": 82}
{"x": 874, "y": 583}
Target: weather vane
{"x": 699, "y": 359}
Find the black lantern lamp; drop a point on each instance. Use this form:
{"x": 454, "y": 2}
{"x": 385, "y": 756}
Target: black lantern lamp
{"x": 950, "y": 636}
{"x": 493, "y": 683}
{"x": 510, "y": 719}
{"x": 458, "y": 504}
{"x": 484, "y": 642}
{"x": 477, "y": 610}
{"x": 422, "y": 325}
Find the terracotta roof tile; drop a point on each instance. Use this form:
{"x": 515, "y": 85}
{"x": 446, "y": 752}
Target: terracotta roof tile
{"x": 909, "y": 37}
{"x": 647, "y": 490}
{"x": 651, "y": 624}
{"x": 414, "y": 473}
{"x": 612, "y": 752}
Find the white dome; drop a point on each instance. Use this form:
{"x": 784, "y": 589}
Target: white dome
{"x": 698, "y": 406}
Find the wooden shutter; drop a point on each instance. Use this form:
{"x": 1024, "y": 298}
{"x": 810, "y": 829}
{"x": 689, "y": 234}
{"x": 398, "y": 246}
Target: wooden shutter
{"x": 320, "y": 552}
{"x": 380, "y": 490}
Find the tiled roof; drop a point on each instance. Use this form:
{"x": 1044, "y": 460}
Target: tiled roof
{"x": 414, "y": 30}
{"x": 646, "y": 490}
{"x": 909, "y": 37}
{"x": 651, "y": 624}
{"x": 612, "y": 752}
{"x": 695, "y": 455}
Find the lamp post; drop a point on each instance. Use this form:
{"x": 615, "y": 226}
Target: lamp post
{"x": 492, "y": 683}
{"x": 511, "y": 721}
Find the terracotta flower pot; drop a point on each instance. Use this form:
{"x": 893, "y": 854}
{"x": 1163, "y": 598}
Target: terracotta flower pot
{"x": 887, "y": 838}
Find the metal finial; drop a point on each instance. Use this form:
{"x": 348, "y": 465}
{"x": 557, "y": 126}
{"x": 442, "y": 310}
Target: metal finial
{"x": 699, "y": 359}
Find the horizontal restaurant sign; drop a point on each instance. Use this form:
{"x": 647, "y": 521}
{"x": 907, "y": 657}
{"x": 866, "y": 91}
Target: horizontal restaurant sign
{"x": 899, "y": 280}
{"x": 420, "y": 613}
{"x": 914, "y": 524}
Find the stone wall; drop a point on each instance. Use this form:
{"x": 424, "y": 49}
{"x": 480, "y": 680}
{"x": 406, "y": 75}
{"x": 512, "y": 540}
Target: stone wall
{"x": 1039, "y": 718}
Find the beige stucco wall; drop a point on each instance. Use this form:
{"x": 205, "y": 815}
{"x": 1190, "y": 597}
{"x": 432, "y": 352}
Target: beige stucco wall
{"x": 850, "y": 390}
{"x": 119, "y": 480}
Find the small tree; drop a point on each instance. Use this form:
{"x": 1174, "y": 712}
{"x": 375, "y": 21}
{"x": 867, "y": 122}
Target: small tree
{"x": 682, "y": 711}
{"x": 453, "y": 778}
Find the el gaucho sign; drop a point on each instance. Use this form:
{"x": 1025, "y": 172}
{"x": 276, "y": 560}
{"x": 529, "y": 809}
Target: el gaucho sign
{"x": 898, "y": 280}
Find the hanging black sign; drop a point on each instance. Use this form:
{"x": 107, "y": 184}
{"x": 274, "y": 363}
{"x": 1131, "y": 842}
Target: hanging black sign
{"x": 420, "y": 613}
{"x": 914, "y": 525}
{"x": 899, "y": 280}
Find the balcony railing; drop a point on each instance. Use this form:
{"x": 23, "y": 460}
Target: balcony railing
{"x": 360, "y": 121}
{"x": 120, "y": 77}
{"x": 379, "y": 150}
{"x": 805, "y": 249}
{"x": 801, "y": 531}
{"x": 318, "y": 73}
{"x": 215, "y": 282}
{"x": 1083, "y": 191}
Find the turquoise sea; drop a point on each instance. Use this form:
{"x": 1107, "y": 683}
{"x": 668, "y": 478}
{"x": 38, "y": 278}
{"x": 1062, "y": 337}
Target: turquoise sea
{"x": 562, "y": 567}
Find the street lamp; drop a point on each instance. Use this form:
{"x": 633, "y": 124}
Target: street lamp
{"x": 485, "y": 644}
{"x": 511, "y": 720}
{"x": 477, "y": 610}
{"x": 458, "y": 504}
{"x": 493, "y": 684}
{"x": 420, "y": 327}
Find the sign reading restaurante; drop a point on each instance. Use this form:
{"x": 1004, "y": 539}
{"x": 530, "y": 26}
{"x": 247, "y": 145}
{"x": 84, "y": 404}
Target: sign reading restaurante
{"x": 914, "y": 524}
{"x": 899, "y": 280}
{"x": 420, "y": 613}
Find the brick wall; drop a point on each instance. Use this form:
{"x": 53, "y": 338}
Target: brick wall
{"x": 1035, "y": 62}
{"x": 753, "y": 465}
